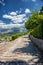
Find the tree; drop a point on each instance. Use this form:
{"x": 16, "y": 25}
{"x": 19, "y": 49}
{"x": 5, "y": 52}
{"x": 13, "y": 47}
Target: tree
{"x": 41, "y": 10}
{"x": 32, "y": 21}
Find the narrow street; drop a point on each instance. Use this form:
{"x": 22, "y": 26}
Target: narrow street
{"x": 19, "y": 52}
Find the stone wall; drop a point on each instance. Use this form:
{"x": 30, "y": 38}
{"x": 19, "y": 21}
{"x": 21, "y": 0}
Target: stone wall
{"x": 38, "y": 42}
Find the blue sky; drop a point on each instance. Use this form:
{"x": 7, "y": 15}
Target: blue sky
{"x": 14, "y": 13}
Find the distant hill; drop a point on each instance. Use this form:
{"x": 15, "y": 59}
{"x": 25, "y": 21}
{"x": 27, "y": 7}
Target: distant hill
{"x": 12, "y": 30}
{"x": 9, "y": 31}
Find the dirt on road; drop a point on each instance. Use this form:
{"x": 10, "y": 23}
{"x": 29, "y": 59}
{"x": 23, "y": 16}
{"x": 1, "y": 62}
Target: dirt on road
{"x": 19, "y": 51}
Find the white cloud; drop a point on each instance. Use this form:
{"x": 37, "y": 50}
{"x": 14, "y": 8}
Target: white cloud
{"x": 7, "y": 31}
{"x": 27, "y": 10}
{"x": 2, "y": 2}
{"x": 19, "y": 18}
{"x": 7, "y": 16}
{"x": 34, "y": 0}
{"x": 9, "y": 26}
{"x": 1, "y": 22}
{"x": 19, "y": 11}
{"x": 16, "y": 19}
{"x": 13, "y": 13}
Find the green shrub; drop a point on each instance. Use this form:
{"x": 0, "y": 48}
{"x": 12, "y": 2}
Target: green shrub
{"x": 14, "y": 36}
{"x": 37, "y": 32}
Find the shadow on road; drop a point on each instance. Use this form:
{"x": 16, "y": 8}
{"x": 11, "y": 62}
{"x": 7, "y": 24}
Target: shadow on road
{"x": 17, "y": 62}
{"x": 21, "y": 62}
{"x": 28, "y": 49}
{"x": 32, "y": 50}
